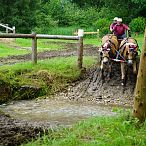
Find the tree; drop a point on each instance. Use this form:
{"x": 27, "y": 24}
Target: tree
{"x": 87, "y": 3}
{"x": 140, "y": 90}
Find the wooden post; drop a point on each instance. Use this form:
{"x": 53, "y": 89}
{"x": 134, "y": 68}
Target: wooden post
{"x": 34, "y": 48}
{"x": 97, "y": 33}
{"x": 14, "y": 31}
{"x": 80, "y": 48}
{"x": 7, "y": 31}
{"x": 139, "y": 109}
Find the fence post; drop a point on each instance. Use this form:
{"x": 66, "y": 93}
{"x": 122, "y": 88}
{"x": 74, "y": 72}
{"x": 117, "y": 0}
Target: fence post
{"x": 14, "y": 31}
{"x": 80, "y": 48}
{"x": 97, "y": 33}
{"x": 34, "y": 48}
{"x": 7, "y": 31}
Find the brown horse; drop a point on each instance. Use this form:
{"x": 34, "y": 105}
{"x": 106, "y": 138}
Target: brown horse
{"x": 128, "y": 50}
{"x": 107, "y": 53}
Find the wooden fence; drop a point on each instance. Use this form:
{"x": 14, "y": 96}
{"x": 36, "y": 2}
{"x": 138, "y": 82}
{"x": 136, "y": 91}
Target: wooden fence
{"x": 35, "y": 36}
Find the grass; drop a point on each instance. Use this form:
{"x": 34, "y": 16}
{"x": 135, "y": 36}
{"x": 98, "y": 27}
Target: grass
{"x": 140, "y": 39}
{"x": 63, "y": 30}
{"x": 120, "y": 130}
{"x": 9, "y": 51}
{"x": 59, "y": 64}
{"x": 42, "y": 44}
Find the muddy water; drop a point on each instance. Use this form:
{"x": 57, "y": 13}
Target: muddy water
{"x": 56, "y": 112}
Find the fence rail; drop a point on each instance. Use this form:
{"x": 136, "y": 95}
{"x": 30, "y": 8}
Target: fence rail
{"x": 97, "y": 32}
{"x": 42, "y": 36}
{"x": 11, "y": 35}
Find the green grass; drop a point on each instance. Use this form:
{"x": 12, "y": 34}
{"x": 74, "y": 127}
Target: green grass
{"x": 120, "y": 130}
{"x": 9, "y": 51}
{"x": 41, "y": 44}
{"x": 139, "y": 39}
{"x": 63, "y": 30}
{"x": 93, "y": 41}
{"x": 58, "y": 64}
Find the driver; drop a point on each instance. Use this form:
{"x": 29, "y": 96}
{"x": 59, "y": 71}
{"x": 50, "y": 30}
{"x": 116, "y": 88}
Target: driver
{"x": 120, "y": 29}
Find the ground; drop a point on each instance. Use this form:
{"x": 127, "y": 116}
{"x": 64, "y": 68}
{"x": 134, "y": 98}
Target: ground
{"x": 89, "y": 89}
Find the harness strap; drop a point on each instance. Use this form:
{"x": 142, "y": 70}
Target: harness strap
{"x": 126, "y": 40}
{"x": 112, "y": 43}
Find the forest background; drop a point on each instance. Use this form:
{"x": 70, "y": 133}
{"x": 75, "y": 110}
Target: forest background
{"x": 66, "y": 16}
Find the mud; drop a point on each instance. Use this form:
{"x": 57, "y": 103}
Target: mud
{"x": 90, "y": 90}
{"x": 107, "y": 92}
{"x": 15, "y": 132}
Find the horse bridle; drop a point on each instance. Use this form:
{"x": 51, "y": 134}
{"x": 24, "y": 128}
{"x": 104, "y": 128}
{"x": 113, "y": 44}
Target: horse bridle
{"x": 129, "y": 50}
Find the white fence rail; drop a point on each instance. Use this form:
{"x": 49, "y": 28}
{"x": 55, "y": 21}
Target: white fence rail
{"x": 8, "y": 28}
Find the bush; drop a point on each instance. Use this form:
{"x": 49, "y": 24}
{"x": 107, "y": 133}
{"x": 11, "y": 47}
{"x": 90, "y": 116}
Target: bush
{"x": 44, "y": 23}
{"x": 138, "y": 24}
{"x": 89, "y": 17}
{"x": 103, "y": 25}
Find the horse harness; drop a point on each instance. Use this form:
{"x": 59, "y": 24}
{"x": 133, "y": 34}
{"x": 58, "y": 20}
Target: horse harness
{"x": 122, "y": 49}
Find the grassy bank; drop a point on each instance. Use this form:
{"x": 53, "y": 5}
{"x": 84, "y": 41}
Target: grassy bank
{"x": 120, "y": 130}
{"x": 50, "y": 76}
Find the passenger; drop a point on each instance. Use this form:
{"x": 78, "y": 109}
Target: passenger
{"x": 113, "y": 24}
{"x": 120, "y": 29}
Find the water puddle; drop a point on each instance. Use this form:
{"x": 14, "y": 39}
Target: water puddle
{"x": 56, "y": 112}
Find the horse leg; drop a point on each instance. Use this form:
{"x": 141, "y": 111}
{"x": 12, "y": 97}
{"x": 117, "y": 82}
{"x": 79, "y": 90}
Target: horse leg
{"x": 102, "y": 71}
{"x": 134, "y": 68}
{"x": 109, "y": 72}
{"x": 123, "y": 73}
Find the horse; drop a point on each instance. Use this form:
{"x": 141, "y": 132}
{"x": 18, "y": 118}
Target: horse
{"x": 108, "y": 51}
{"x": 128, "y": 50}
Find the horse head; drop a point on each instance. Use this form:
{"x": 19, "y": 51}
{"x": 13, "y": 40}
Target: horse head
{"x": 106, "y": 52}
{"x": 108, "y": 48}
{"x": 130, "y": 52}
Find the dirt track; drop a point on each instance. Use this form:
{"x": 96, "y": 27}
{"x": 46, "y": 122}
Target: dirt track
{"x": 89, "y": 89}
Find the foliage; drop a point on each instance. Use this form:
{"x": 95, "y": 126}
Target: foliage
{"x": 103, "y": 25}
{"x": 87, "y": 3}
{"x": 138, "y": 24}
{"x": 89, "y": 17}
{"x": 44, "y": 23}
{"x": 42, "y": 16}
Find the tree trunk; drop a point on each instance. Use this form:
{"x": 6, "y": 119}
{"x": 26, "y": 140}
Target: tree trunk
{"x": 139, "y": 110}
